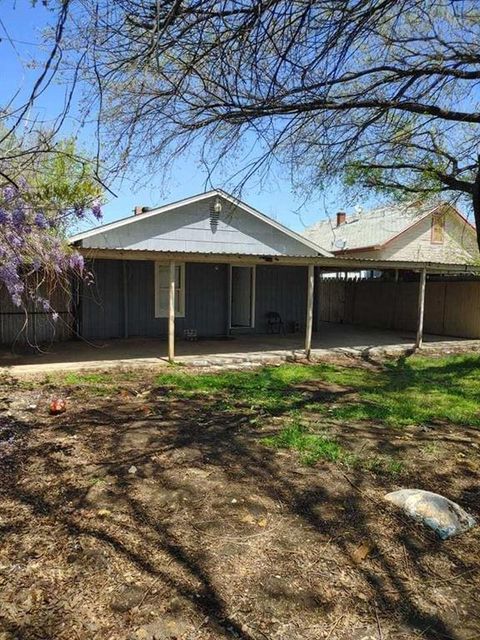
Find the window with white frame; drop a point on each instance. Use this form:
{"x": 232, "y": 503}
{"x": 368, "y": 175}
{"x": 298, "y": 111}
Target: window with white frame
{"x": 162, "y": 288}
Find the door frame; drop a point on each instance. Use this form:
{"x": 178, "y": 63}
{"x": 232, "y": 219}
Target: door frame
{"x": 253, "y": 280}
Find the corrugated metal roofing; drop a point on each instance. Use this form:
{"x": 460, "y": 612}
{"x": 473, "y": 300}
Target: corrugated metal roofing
{"x": 331, "y": 262}
{"x": 368, "y": 229}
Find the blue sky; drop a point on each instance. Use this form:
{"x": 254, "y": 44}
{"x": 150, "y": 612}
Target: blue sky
{"x": 21, "y": 26}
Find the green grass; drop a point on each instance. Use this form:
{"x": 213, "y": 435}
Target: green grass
{"x": 313, "y": 447}
{"x": 90, "y": 378}
{"x": 418, "y": 391}
{"x": 271, "y": 388}
{"x": 98, "y": 383}
{"x": 414, "y": 391}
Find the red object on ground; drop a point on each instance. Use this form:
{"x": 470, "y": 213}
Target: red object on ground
{"x": 57, "y": 405}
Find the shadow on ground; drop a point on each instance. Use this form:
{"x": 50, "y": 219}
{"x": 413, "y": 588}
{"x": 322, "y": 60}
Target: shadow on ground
{"x": 155, "y": 516}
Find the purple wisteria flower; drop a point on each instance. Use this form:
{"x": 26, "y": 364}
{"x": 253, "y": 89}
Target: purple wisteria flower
{"x": 40, "y": 220}
{"x": 18, "y": 217}
{"x": 77, "y": 262}
{"x": 97, "y": 209}
{"x": 32, "y": 242}
{"x": 79, "y": 211}
{"x": 9, "y": 193}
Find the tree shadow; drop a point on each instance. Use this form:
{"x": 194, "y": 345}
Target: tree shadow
{"x": 206, "y": 493}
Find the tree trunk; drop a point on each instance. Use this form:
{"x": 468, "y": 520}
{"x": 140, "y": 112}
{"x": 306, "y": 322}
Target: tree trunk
{"x": 476, "y": 203}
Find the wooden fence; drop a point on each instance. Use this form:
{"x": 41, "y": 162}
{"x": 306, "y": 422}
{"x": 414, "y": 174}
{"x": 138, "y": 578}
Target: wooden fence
{"x": 452, "y": 308}
{"x": 38, "y": 328}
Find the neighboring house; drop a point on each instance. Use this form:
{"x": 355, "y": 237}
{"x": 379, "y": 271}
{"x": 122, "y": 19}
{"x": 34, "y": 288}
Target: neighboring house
{"x": 227, "y": 271}
{"x": 418, "y": 232}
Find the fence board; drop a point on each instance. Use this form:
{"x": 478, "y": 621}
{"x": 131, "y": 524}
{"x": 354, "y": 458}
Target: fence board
{"x": 36, "y": 327}
{"x": 452, "y": 308}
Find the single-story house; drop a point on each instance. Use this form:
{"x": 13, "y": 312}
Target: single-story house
{"x": 224, "y": 278}
{"x": 417, "y": 231}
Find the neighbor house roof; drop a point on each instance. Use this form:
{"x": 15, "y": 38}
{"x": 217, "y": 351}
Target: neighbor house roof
{"x": 373, "y": 229}
{"x": 103, "y": 230}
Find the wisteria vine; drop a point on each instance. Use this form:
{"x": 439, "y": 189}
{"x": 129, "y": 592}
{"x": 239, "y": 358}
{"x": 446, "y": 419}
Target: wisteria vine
{"x": 34, "y": 253}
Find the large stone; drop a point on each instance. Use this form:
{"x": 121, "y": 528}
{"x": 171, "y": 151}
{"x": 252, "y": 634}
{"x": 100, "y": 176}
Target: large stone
{"x": 442, "y": 515}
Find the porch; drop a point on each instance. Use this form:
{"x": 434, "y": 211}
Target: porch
{"x": 244, "y": 350}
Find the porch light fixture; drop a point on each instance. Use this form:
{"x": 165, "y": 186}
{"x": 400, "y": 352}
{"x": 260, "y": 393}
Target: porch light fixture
{"x": 215, "y": 211}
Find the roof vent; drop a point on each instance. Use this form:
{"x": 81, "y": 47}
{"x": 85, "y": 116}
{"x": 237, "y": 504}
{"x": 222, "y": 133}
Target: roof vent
{"x": 215, "y": 211}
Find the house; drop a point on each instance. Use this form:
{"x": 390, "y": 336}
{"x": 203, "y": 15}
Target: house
{"x": 418, "y": 232}
{"x": 222, "y": 265}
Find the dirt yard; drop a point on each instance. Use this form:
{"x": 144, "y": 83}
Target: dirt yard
{"x": 163, "y": 508}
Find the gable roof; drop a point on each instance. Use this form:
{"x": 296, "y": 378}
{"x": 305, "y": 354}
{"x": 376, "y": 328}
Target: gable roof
{"x": 101, "y": 230}
{"x": 375, "y": 228}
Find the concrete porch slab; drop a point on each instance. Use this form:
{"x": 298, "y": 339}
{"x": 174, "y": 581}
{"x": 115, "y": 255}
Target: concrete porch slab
{"x": 331, "y": 339}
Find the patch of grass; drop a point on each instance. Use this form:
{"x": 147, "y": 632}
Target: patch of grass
{"x": 417, "y": 390}
{"x": 380, "y": 464}
{"x": 90, "y": 378}
{"x": 270, "y": 388}
{"x": 312, "y": 447}
{"x": 99, "y": 383}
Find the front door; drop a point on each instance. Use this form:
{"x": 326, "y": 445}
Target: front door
{"x": 242, "y": 297}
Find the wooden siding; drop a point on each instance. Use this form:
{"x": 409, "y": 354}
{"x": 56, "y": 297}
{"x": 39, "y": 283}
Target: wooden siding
{"x": 282, "y": 289}
{"x": 103, "y": 304}
{"x": 278, "y": 288}
{"x": 189, "y": 229}
{"x": 451, "y": 308}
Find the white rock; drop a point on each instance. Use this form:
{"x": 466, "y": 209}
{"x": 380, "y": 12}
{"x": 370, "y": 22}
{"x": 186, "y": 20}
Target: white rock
{"x": 442, "y": 515}
{"x": 133, "y": 469}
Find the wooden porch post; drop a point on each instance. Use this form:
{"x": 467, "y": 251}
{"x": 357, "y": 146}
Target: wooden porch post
{"x": 309, "y": 325}
{"x": 171, "y": 313}
{"x": 125, "y": 298}
{"x": 421, "y": 308}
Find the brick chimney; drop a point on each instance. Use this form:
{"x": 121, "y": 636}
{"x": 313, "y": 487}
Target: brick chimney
{"x": 138, "y": 210}
{"x": 341, "y": 218}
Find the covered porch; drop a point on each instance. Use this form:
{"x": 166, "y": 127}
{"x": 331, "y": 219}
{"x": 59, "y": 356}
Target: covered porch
{"x": 151, "y": 307}
{"x": 227, "y": 297}
{"x": 244, "y": 350}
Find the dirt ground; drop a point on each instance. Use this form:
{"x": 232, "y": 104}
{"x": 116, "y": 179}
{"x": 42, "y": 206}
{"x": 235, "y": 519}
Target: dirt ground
{"x": 146, "y": 516}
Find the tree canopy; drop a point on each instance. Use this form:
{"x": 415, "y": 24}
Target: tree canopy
{"x": 377, "y": 93}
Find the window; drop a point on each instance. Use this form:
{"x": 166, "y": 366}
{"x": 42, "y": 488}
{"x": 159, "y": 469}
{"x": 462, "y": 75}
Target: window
{"x": 438, "y": 228}
{"x": 162, "y": 279}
